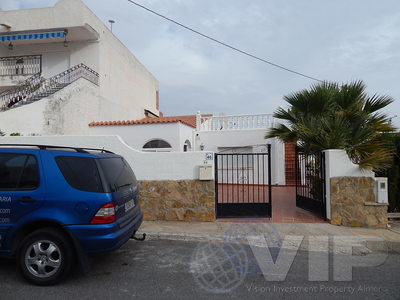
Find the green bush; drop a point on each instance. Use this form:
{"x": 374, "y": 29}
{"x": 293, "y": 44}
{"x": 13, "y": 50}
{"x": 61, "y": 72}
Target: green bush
{"x": 15, "y": 134}
{"x": 393, "y": 175}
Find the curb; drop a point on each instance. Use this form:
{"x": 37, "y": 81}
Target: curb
{"x": 370, "y": 246}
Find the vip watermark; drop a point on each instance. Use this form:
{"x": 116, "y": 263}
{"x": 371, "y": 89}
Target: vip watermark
{"x": 259, "y": 248}
{"x": 222, "y": 267}
{"x": 317, "y": 289}
{"x": 6, "y": 199}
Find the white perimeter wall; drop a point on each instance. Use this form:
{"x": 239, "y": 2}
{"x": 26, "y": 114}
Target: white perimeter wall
{"x": 137, "y": 135}
{"x": 212, "y": 140}
{"x": 147, "y": 166}
{"x": 338, "y": 164}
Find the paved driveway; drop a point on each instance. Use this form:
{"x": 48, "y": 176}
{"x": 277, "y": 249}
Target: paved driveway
{"x": 161, "y": 269}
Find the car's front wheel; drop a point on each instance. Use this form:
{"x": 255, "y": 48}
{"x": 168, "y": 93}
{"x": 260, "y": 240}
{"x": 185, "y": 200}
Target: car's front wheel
{"x": 45, "y": 256}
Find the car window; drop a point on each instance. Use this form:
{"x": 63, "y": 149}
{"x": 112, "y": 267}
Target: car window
{"x": 81, "y": 173}
{"x": 117, "y": 172}
{"x": 30, "y": 175}
{"x": 18, "y": 171}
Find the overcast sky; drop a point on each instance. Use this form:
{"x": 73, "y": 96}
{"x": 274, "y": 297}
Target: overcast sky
{"x": 339, "y": 40}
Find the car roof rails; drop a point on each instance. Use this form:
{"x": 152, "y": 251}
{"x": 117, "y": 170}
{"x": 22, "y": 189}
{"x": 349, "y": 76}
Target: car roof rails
{"x": 47, "y": 147}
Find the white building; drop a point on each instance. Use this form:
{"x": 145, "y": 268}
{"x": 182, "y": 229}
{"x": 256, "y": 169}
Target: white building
{"x": 219, "y": 134}
{"x": 163, "y": 134}
{"x": 61, "y": 68}
{"x": 242, "y": 134}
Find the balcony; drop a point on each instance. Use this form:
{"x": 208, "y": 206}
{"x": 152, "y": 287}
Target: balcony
{"x": 237, "y": 122}
{"x": 16, "y": 69}
{"x": 20, "y": 65}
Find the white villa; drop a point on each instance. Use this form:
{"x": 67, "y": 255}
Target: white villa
{"x": 61, "y": 68}
{"x": 219, "y": 134}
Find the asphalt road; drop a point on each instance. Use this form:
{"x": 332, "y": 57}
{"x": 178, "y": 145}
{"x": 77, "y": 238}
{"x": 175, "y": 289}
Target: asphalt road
{"x": 161, "y": 269}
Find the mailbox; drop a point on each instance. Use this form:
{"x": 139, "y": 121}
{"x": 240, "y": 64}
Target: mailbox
{"x": 381, "y": 189}
{"x": 206, "y": 172}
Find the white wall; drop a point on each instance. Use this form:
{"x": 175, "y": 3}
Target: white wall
{"x": 66, "y": 112}
{"x": 213, "y": 140}
{"x": 26, "y": 119}
{"x": 124, "y": 81}
{"x": 147, "y": 166}
{"x": 186, "y": 133}
{"x": 338, "y": 164}
{"x": 137, "y": 135}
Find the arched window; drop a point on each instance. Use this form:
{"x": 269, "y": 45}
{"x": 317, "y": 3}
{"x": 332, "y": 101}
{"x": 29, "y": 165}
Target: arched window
{"x": 187, "y": 146}
{"x": 157, "y": 145}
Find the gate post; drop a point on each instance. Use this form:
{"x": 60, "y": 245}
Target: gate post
{"x": 269, "y": 181}
{"x": 216, "y": 183}
{"x": 351, "y": 195}
{"x": 323, "y": 179}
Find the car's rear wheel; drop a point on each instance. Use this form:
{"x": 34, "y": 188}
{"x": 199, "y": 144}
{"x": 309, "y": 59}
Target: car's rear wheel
{"x": 45, "y": 256}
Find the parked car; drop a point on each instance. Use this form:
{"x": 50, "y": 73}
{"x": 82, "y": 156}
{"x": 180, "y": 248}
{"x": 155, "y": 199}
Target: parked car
{"x": 58, "y": 204}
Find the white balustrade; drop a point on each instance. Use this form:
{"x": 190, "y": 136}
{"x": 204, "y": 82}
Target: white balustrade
{"x": 238, "y": 122}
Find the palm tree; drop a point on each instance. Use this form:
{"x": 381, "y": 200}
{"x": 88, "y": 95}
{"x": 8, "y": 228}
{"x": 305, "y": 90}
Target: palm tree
{"x": 332, "y": 116}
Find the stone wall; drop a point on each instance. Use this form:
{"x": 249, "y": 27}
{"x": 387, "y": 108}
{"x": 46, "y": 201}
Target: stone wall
{"x": 182, "y": 200}
{"x": 353, "y": 203}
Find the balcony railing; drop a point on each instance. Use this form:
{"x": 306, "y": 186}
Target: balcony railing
{"x": 20, "y": 65}
{"x": 239, "y": 122}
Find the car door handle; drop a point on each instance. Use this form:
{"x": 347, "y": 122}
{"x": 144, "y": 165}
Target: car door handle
{"x": 26, "y": 200}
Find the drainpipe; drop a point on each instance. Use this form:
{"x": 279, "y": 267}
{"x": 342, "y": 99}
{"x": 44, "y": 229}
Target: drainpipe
{"x": 194, "y": 140}
{"x": 196, "y": 131}
{"x": 198, "y": 121}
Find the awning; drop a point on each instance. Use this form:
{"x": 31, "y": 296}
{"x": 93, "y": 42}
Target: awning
{"x": 19, "y": 36}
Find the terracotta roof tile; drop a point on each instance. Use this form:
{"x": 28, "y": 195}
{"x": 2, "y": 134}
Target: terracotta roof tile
{"x": 189, "y": 120}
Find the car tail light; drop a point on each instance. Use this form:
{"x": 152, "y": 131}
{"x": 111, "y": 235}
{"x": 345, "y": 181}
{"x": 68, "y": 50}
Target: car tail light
{"x": 105, "y": 215}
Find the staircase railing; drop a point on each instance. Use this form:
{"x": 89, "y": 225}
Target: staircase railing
{"x": 74, "y": 73}
{"x": 27, "y": 87}
{"x": 36, "y": 87}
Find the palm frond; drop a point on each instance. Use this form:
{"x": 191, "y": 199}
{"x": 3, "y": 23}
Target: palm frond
{"x": 283, "y": 133}
{"x": 376, "y": 103}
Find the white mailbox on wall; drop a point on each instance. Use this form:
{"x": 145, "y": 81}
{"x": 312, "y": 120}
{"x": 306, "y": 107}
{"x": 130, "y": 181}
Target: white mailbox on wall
{"x": 381, "y": 189}
{"x": 206, "y": 172}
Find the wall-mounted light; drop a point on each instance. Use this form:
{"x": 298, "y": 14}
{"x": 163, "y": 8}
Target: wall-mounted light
{"x": 65, "y": 38}
{"x": 10, "y": 46}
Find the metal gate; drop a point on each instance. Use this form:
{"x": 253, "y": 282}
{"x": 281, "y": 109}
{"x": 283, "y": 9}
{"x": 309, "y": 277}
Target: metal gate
{"x": 310, "y": 182}
{"x": 243, "y": 184}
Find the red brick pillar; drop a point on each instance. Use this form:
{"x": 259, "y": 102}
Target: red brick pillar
{"x": 290, "y": 163}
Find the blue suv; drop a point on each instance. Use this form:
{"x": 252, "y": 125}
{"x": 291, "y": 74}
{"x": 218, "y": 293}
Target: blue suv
{"x": 58, "y": 204}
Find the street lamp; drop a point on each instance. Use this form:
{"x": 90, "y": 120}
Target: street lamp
{"x": 111, "y": 23}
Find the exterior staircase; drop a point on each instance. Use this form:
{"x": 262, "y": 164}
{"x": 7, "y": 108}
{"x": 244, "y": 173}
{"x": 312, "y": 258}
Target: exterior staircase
{"x": 45, "y": 93}
{"x": 36, "y": 87}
